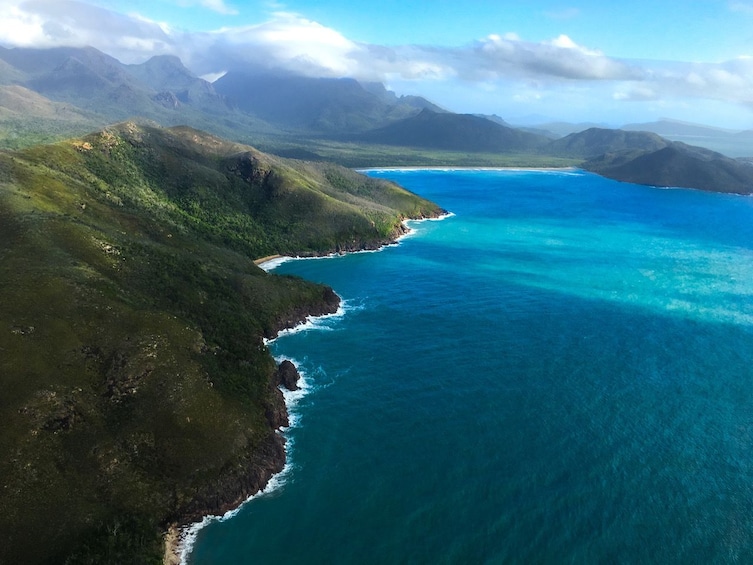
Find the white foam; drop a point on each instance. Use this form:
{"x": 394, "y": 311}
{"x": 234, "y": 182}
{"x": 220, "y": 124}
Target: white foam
{"x": 434, "y": 219}
{"x": 188, "y": 534}
{"x": 312, "y": 323}
{"x": 293, "y": 397}
{"x": 274, "y": 263}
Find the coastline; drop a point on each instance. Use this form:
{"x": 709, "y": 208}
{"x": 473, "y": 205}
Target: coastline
{"x": 271, "y": 262}
{"x": 179, "y": 540}
{"x": 266, "y": 259}
{"x": 459, "y": 168}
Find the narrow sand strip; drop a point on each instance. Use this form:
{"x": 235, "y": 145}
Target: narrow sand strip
{"x": 259, "y": 262}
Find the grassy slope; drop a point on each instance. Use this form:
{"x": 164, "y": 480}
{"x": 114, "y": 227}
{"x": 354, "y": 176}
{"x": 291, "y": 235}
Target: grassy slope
{"x": 136, "y": 388}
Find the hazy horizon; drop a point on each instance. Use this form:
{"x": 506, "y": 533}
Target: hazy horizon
{"x": 575, "y": 62}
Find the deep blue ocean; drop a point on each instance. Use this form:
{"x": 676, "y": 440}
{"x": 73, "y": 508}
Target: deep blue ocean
{"x": 561, "y": 372}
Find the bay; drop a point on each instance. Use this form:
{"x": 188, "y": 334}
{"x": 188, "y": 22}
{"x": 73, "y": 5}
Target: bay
{"x": 559, "y": 372}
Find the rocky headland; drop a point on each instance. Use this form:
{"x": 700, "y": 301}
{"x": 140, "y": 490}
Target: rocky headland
{"x": 138, "y": 392}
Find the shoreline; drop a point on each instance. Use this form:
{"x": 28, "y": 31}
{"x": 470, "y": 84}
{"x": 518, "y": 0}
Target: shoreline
{"x": 459, "y": 168}
{"x": 271, "y": 262}
{"x": 179, "y": 540}
{"x": 267, "y": 259}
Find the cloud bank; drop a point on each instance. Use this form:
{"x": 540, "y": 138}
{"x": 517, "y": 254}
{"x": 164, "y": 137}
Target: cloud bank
{"x": 291, "y": 42}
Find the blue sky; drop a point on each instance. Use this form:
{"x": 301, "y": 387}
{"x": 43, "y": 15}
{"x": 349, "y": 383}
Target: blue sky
{"x": 578, "y": 61}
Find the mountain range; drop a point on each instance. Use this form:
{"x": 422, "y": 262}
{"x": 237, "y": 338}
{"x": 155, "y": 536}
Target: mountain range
{"x": 70, "y": 91}
{"x": 729, "y": 142}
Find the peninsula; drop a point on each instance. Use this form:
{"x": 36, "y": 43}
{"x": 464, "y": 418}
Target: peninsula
{"x": 138, "y": 393}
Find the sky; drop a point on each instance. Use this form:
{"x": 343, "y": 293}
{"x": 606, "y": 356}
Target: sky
{"x": 539, "y": 60}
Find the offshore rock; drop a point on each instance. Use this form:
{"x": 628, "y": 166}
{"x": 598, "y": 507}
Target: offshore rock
{"x": 287, "y": 375}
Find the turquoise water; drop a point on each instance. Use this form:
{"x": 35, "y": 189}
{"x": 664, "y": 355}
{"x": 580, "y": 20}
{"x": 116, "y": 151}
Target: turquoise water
{"x": 559, "y": 373}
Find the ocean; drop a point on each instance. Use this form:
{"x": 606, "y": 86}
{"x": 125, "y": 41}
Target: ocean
{"x": 559, "y": 372}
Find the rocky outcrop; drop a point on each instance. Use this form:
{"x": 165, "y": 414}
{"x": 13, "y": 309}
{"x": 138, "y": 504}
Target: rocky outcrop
{"x": 328, "y": 304}
{"x": 167, "y": 99}
{"x": 257, "y": 463}
{"x": 247, "y": 476}
{"x": 287, "y": 375}
{"x": 276, "y": 411}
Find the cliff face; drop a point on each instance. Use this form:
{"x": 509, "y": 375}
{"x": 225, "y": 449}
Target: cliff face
{"x": 137, "y": 391}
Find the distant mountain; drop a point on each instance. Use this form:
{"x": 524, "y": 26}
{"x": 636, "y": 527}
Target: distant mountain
{"x": 454, "y": 132}
{"x": 729, "y": 142}
{"x": 33, "y": 62}
{"x": 160, "y": 89}
{"x": 97, "y": 85}
{"x": 8, "y": 73}
{"x": 392, "y": 99}
{"x": 495, "y": 118}
{"x": 76, "y": 89}
{"x": 677, "y": 165}
{"x": 534, "y": 130}
{"x": 28, "y": 117}
{"x": 675, "y": 128}
{"x": 596, "y": 141}
{"x": 323, "y": 105}
{"x": 561, "y": 129}
{"x": 167, "y": 75}
{"x": 21, "y": 100}
{"x": 86, "y": 77}
{"x": 164, "y": 72}
{"x": 539, "y": 131}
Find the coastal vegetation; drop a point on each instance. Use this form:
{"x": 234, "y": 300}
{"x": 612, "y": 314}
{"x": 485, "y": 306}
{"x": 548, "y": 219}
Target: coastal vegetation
{"x": 137, "y": 390}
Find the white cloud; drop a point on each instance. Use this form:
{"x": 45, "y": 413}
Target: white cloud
{"x": 564, "y": 42}
{"x": 218, "y": 6}
{"x": 292, "y": 42}
{"x": 287, "y": 41}
{"x": 51, "y": 23}
{"x": 559, "y": 58}
{"x": 211, "y": 77}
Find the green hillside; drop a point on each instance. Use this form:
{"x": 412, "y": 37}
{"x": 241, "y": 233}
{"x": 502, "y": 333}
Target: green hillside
{"x": 454, "y": 132}
{"x": 137, "y": 391}
{"x": 598, "y": 141}
{"x": 677, "y": 165}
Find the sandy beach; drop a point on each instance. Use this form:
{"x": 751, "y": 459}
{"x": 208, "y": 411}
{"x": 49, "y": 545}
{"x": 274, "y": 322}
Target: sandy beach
{"x": 259, "y": 262}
